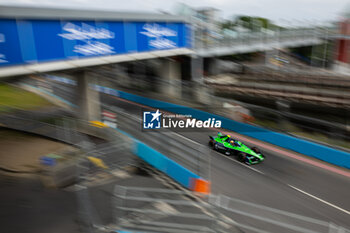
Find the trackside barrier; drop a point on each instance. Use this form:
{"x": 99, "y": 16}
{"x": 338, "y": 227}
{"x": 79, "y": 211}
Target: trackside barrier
{"x": 177, "y": 172}
{"x": 330, "y": 155}
{"x": 200, "y": 186}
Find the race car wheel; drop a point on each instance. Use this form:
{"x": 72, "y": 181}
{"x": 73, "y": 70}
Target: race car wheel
{"x": 216, "y": 147}
{"x": 242, "y": 157}
{"x": 211, "y": 144}
{"x": 256, "y": 150}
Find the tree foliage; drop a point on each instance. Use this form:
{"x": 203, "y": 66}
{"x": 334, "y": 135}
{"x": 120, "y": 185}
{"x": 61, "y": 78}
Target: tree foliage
{"x": 249, "y": 22}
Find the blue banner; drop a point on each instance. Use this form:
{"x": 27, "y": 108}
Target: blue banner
{"x": 35, "y": 41}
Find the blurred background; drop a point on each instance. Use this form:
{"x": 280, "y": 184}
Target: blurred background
{"x": 76, "y": 76}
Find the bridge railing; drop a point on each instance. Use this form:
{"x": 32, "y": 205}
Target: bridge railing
{"x": 203, "y": 41}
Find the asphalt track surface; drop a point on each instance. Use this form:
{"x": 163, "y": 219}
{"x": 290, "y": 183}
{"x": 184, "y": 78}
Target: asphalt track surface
{"x": 294, "y": 183}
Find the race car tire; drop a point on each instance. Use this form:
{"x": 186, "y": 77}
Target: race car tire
{"x": 232, "y": 153}
{"x": 242, "y": 157}
{"x": 256, "y": 150}
{"x": 211, "y": 144}
{"x": 216, "y": 147}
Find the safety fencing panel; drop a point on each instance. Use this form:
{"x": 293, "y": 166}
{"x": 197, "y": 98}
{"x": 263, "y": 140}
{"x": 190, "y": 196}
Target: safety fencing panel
{"x": 140, "y": 209}
{"x": 262, "y": 219}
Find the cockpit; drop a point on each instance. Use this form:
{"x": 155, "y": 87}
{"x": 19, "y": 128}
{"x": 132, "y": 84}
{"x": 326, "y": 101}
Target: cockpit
{"x": 233, "y": 142}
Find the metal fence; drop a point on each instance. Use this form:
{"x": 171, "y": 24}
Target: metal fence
{"x": 141, "y": 209}
{"x": 163, "y": 210}
{"x": 204, "y": 44}
{"x": 94, "y": 184}
{"x": 246, "y": 37}
{"x": 60, "y": 129}
{"x": 262, "y": 219}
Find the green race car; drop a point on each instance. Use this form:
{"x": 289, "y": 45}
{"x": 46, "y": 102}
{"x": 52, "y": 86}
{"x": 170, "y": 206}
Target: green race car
{"x": 230, "y": 146}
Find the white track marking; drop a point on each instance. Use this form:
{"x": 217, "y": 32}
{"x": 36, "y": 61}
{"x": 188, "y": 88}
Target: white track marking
{"x": 74, "y": 188}
{"x": 254, "y": 169}
{"x": 165, "y": 207}
{"x": 251, "y": 168}
{"x": 188, "y": 139}
{"x": 120, "y": 174}
{"x": 319, "y": 199}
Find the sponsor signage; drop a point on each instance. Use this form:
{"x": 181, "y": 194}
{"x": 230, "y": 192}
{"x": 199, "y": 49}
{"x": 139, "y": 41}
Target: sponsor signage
{"x": 109, "y": 118}
{"x": 34, "y": 41}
